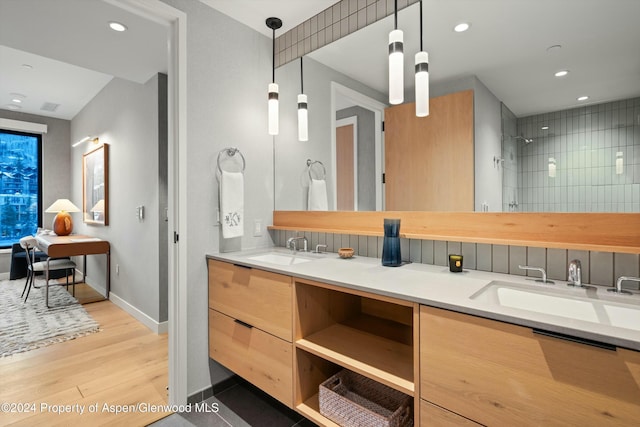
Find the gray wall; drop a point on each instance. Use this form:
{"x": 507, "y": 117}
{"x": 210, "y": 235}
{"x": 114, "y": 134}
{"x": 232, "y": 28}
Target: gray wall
{"x": 228, "y": 70}
{"x": 125, "y": 116}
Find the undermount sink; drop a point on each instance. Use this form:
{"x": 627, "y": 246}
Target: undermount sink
{"x": 556, "y": 301}
{"x": 278, "y": 258}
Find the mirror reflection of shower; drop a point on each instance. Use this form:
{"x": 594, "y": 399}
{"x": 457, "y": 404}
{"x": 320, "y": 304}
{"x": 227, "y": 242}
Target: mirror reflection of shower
{"x": 522, "y": 138}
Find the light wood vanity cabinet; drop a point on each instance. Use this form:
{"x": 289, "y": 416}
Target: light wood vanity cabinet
{"x": 500, "y": 374}
{"x": 250, "y": 326}
{"x": 288, "y": 335}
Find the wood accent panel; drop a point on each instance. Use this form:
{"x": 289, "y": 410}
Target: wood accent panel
{"x": 259, "y": 298}
{"x": 501, "y": 374}
{"x": 435, "y": 416}
{"x": 429, "y": 161}
{"x": 258, "y": 357}
{"x": 605, "y": 232}
{"x": 344, "y": 168}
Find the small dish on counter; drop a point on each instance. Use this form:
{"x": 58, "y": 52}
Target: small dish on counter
{"x": 345, "y": 253}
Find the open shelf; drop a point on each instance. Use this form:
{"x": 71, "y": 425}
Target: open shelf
{"x": 311, "y": 371}
{"x": 384, "y": 360}
{"x": 310, "y": 408}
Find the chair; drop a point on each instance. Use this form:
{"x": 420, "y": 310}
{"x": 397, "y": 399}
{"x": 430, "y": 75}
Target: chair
{"x": 29, "y": 245}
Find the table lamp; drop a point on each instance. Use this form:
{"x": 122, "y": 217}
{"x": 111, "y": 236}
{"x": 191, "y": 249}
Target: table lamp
{"x": 62, "y": 223}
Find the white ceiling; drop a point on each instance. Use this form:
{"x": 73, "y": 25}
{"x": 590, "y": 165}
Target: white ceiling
{"x": 73, "y": 52}
{"x": 506, "y": 48}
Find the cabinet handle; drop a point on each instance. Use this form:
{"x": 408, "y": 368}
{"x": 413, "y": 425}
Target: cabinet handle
{"x": 571, "y": 338}
{"x": 245, "y": 324}
{"x": 242, "y": 266}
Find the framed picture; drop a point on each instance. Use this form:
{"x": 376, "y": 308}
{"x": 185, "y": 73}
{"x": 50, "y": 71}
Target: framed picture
{"x": 95, "y": 185}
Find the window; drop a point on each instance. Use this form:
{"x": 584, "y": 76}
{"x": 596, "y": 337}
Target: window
{"x": 20, "y": 185}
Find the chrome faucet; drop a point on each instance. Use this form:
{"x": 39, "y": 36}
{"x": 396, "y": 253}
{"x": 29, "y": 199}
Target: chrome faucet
{"x": 291, "y": 243}
{"x": 618, "y": 288}
{"x": 575, "y": 274}
{"x": 540, "y": 269}
{"x": 318, "y": 251}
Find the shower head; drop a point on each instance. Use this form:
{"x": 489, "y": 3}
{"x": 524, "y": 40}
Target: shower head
{"x": 526, "y": 140}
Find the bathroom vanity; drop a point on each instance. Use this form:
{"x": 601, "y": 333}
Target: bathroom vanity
{"x": 456, "y": 343}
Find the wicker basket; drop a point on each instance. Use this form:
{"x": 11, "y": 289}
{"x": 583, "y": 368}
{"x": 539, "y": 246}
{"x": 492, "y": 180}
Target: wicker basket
{"x": 352, "y": 400}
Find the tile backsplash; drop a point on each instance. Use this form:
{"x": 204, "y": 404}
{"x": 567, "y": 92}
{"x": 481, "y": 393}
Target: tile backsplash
{"x": 598, "y": 268}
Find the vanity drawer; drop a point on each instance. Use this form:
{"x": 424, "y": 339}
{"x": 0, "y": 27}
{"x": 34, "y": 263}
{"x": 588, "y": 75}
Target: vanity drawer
{"x": 500, "y": 374}
{"x": 435, "y": 416}
{"x": 259, "y": 298}
{"x": 258, "y": 357}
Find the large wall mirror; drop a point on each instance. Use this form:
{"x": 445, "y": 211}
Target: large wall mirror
{"x": 95, "y": 185}
{"x": 537, "y": 148}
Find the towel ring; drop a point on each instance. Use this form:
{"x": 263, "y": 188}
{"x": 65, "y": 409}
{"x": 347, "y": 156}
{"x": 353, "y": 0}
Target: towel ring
{"x": 310, "y": 164}
{"x": 231, "y": 151}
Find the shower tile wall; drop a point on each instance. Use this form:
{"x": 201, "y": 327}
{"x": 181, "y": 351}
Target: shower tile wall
{"x": 510, "y": 161}
{"x": 585, "y": 143}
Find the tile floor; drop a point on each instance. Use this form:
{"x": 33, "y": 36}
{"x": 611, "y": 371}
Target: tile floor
{"x": 240, "y": 405}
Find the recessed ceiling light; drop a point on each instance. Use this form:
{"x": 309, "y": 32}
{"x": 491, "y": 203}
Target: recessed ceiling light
{"x": 544, "y": 127}
{"x": 582, "y": 98}
{"x": 17, "y": 97}
{"x": 27, "y": 66}
{"x": 13, "y": 107}
{"x": 116, "y": 26}
{"x": 561, "y": 73}
{"x": 554, "y": 48}
{"x": 461, "y": 27}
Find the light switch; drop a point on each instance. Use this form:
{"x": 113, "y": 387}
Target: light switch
{"x": 257, "y": 228}
{"x": 140, "y": 213}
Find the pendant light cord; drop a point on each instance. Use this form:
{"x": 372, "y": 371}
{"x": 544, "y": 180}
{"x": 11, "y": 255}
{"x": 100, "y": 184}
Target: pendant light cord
{"x": 421, "y": 49}
{"x": 395, "y": 14}
{"x": 301, "y": 77}
{"x": 273, "y": 56}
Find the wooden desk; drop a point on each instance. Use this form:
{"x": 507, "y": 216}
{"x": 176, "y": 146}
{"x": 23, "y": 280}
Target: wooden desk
{"x": 76, "y": 245}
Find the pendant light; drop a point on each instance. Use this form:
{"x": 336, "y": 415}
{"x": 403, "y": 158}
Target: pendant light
{"x": 274, "y": 24}
{"x": 303, "y": 119}
{"x": 396, "y": 63}
{"x": 422, "y": 77}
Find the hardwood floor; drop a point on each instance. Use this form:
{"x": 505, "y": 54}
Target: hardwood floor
{"x": 123, "y": 365}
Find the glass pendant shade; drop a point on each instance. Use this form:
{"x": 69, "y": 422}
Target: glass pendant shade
{"x": 396, "y": 67}
{"x": 303, "y": 120}
{"x": 422, "y": 84}
{"x": 552, "y": 167}
{"x": 273, "y": 109}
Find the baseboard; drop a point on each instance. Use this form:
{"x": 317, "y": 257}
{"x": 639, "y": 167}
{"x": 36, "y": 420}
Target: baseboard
{"x": 156, "y": 327}
{"x": 4, "y": 276}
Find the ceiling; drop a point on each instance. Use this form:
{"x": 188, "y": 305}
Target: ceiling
{"x": 73, "y": 53}
{"x": 507, "y": 48}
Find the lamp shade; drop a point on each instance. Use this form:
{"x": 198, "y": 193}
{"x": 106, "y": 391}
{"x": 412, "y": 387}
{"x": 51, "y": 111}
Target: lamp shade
{"x": 303, "y": 119}
{"x": 422, "y": 84}
{"x": 62, "y": 223}
{"x": 273, "y": 109}
{"x": 98, "y": 207}
{"x": 396, "y": 67}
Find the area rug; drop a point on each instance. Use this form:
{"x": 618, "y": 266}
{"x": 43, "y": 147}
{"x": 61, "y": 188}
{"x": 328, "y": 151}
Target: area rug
{"x": 30, "y": 325}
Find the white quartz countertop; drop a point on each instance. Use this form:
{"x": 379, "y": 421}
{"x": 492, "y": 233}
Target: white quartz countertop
{"x": 436, "y": 286}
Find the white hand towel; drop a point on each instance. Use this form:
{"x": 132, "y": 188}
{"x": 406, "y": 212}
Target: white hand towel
{"x": 232, "y": 204}
{"x": 318, "y": 195}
